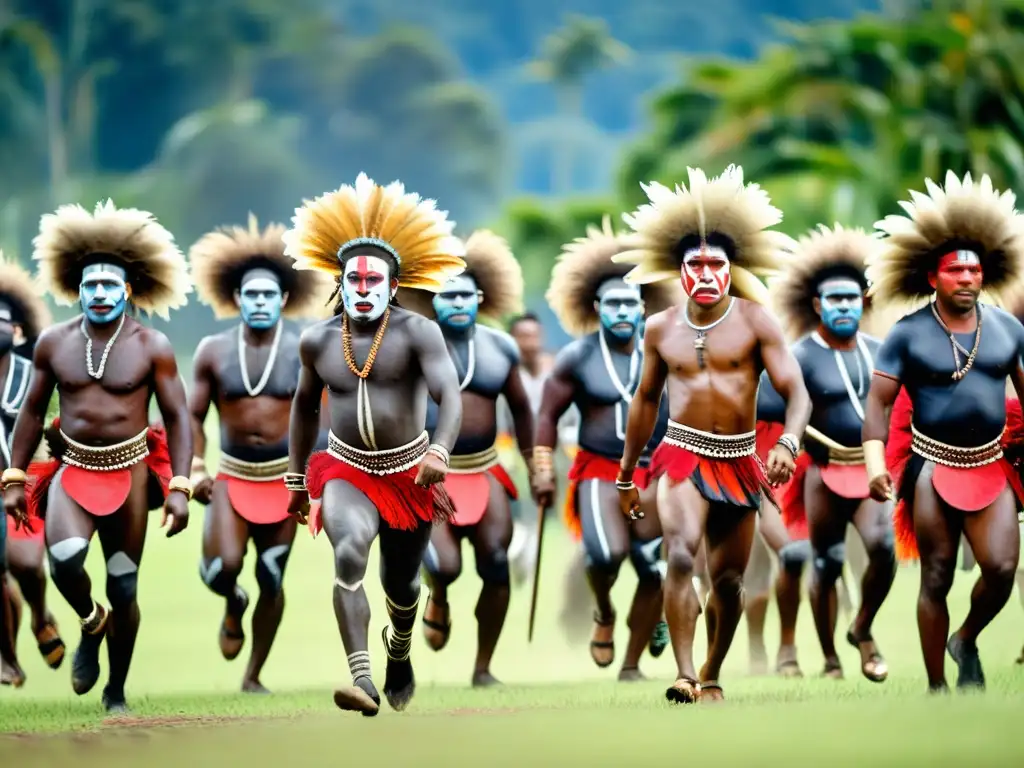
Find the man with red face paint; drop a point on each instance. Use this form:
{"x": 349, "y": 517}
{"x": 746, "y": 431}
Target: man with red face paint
{"x": 710, "y": 352}
{"x": 952, "y": 359}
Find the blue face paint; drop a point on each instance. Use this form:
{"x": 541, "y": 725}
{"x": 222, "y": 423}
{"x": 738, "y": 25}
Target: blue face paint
{"x": 620, "y": 309}
{"x": 842, "y": 305}
{"x": 260, "y": 301}
{"x": 457, "y": 304}
{"x": 103, "y": 293}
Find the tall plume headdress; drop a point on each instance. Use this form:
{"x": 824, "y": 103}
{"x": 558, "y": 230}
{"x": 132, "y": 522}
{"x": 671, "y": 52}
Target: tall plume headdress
{"x": 583, "y": 266}
{"x": 821, "y": 254}
{"x": 23, "y": 294}
{"x": 410, "y": 229}
{"x": 221, "y": 258}
{"x": 71, "y": 239}
{"x": 965, "y": 215}
{"x": 719, "y": 208}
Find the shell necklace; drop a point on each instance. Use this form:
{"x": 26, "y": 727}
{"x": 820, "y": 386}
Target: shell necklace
{"x": 625, "y": 392}
{"x": 262, "y": 383}
{"x": 98, "y": 374}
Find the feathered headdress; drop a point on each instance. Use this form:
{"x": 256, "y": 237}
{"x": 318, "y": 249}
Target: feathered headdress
{"x": 821, "y": 254}
{"x": 404, "y": 225}
{"x": 966, "y": 214}
{"x": 723, "y": 206}
{"x": 587, "y": 262}
{"x": 23, "y": 294}
{"x": 221, "y": 258}
{"x": 71, "y": 238}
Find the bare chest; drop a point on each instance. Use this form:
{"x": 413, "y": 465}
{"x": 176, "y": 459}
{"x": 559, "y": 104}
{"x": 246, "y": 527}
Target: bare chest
{"x": 393, "y": 366}
{"x": 126, "y": 365}
{"x": 728, "y": 348}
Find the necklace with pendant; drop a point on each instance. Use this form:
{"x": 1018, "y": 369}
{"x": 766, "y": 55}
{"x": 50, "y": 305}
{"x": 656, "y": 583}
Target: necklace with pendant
{"x": 700, "y": 340}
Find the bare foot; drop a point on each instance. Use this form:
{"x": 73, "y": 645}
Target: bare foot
{"x": 437, "y": 624}
{"x": 758, "y": 659}
{"x": 253, "y": 686}
{"x": 602, "y": 641}
{"x": 787, "y": 664}
{"x": 630, "y": 675}
{"x": 11, "y": 674}
{"x": 484, "y": 679}
{"x": 361, "y": 697}
{"x": 833, "y": 669}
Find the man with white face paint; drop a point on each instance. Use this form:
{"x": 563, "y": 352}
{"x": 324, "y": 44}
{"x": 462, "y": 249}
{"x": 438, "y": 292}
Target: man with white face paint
{"x": 487, "y": 361}
{"x": 22, "y": 313}
{"x": 820, "y": 298}
{"x": 710, "y": 353}
{"x": 599, "y": 373}
{"x": 110, "y": 466}
{"x": 381, "y": 473}
{"x": 249, "y": 374}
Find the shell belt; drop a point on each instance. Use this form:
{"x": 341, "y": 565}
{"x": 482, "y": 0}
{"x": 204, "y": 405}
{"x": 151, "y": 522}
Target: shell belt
{"x": 106, "y": 458}
{"x": 388, "y": 461}
{"x": 274, "y": 469}
{"x": 710, "y": 445}
{"x": 472, "y": 463}
{"x": 847, "y": 457}
{"x": 955, "y": 456}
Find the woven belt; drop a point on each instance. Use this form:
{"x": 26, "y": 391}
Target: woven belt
{"x": 472, "y": 463}
{"x": 709, "y": 444}
{"x": 274, "y": 469}
{"x": 386, "y": 462}
{"x": 846, "y": 457}
{"x": 954, "y": 456}
{"x": 106, "y": 458}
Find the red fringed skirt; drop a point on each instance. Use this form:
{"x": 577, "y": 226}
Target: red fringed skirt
{"x": 737, "y": 482}
{"x": 590, "y": 466}
{"x": 790, "y": 493}
{"x": 103, "y": 492}
{"x": 470, "y": 492}
{"x": 968, "y": 490}
{"x": 401, "y": 503}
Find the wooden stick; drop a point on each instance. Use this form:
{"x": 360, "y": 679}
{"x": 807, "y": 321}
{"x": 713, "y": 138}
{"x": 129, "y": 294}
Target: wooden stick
{"x": 536, "y": 571}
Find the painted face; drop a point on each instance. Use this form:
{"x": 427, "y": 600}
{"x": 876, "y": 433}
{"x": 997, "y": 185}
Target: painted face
{"x": 620, "y": 308}
{"x": 705, "y": 274}
{"x": 260, "y": 300}
{"x": 958, "y": 278}
{"x": 103, "y": 293}
{"x": 842, "y": 304}
{"x": 457, "y": 304}
{"x": 6, "y": 329}
{"x": 366, "y": 288}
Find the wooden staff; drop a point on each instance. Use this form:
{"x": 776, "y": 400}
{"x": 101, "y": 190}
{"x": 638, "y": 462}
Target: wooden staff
{"x": 536, "y": 571}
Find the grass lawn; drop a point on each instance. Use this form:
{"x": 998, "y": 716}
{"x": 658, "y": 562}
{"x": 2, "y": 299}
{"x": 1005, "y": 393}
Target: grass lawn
{"x": 556, "y": 709}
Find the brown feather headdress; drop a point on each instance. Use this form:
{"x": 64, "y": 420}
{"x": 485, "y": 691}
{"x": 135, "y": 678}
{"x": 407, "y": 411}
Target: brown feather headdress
{"x": 221, "y": 258}
{"x": 23, "y": 294}
{"x": 409, "y": 228}
{"x": 820, "y": 254}
{"x": 965, "y": 214}
{"x": 587, "y": 262}
{"x": 723, "y": 206}
{"x": 71, "y": 238}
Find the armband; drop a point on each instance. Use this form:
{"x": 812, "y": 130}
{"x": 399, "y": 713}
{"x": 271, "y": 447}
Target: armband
{"x": 182, "y": 484}
{"x": 874, "y": 458}
{"x": 295, "y": 481}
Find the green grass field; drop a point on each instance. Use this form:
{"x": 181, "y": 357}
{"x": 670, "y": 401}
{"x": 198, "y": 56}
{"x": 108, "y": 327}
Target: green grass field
{"x": 556, "y": 705}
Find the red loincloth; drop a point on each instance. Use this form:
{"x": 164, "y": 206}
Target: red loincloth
{"x": 261, "y": 502}
{"x": 34, "y": 530}
{"x": 968, "y": 490}
{"x": 790, "y": 493}
{"x": 590, "y": 466}
{"x": 401, "y": 503}
{"x": 471, "y": 492}
{"x": 103, "y": 492}
{"x": 738, "y": 482}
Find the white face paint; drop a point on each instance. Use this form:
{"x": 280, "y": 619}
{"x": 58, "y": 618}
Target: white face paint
{"x": 366, "y": 288}
{"x": 706, "y": 277}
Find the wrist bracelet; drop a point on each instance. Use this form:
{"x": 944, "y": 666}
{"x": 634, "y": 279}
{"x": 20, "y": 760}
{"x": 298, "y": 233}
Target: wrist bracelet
{"x": 182, "y": 484}
{"x": 625, "y": 485}
{"x": 13, "y": 476}
{"x": 441, "y": 452}
{"x": 198, "y": 464}
{"x": 791, "y": 443}
{"x": 295, "y": 481}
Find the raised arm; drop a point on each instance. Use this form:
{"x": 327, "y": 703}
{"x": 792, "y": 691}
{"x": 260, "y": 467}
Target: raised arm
{"x": 643, "y": 410}
{"x": 199, "y": 406}
{"x": 304, "y": 424}
{"x": 885, "y": 388}
{"x": 173, "y": 404}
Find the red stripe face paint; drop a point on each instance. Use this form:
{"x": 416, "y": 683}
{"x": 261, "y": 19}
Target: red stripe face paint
{"x": 958, "y": 277}
{"x": 366, "y": 287}
{"x": 705, "y": 274}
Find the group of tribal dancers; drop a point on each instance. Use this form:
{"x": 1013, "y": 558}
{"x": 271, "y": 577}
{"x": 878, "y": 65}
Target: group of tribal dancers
{"x": 725, "y": 383}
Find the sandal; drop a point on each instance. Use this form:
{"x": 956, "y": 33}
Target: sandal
{"x": 714, "y": 688}
{"x": 873, "y": 667}
{"x": 51, "y": 646}
{"x": 444, "y": 631}
{"x": 596, "y": 646}
{"x": 685, "y": 690}
{"x": 833, "y": 669}
{"x": 232, "y": 640}
{"x": 789, "y": 668}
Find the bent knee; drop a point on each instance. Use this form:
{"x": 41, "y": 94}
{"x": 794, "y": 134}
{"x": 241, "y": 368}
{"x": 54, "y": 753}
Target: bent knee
{"x": 794, "y": 555}
{"x": 67, "y": 557}
{"x": 122, "y": 580}
{"x": 270, "y": 568}
{"x": 937, "y": 577}
{"x": 350, "y": 561}
{"x": 443, "y": 567}
{"x": 679, "y": 560}
{"x": 219, "y": 573}
{"x": 604, "y": 556}
{"x": 647, "y": 560}
{"x": 1001, "y": 571}
{"x": 728, "y": 584}
{"x": 492, "y": 567}
{"x": 829, "y": 562}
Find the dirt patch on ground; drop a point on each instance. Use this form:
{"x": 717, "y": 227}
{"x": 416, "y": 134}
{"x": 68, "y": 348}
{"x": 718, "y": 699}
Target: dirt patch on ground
{"x": 129, "y": 722}
{"x": 483, "y": 711}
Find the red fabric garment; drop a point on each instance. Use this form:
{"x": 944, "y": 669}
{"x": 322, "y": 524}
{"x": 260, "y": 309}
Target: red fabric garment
{"x": 401, "y": 503}
{"x": 790, "y": 493}
{"x": 471, "y": 492}
{"x": 261, "y": 502}
{"x": 103, "y": 492}
{"x": 590, "y": 466}
{"x": 738, "y": 482}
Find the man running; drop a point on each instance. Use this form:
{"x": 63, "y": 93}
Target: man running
{"x": 249, "y": 374}
{"x": 381, "y": 474}
{"x": 487, "y": 361}
{"x": 599, "y": 373}
{"x": 22, "y": 313}
{"x": 951, "y": 359}
{"x": 710, "y": 352}
{"x": 819, "y": 296}
{"x": 110, "y": 467}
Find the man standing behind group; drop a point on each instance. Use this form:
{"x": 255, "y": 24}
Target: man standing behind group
{"x": 249, "y": 374}
{"x": 381, "y": 474}
{"x": 710, "y": 351}
{"x": 110, "y": 467}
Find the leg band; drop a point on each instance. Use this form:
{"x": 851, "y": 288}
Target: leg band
{"x": 359, "y": 665}
{"x": 399, "y": 632}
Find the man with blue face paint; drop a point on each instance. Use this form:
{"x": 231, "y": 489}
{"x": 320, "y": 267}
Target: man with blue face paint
{"x": 820, "y": 297}
{"x": 249, "y": 374}
{"x": 599, "y": 373}
{"x": 487, "y": 361}
{"x": 22, "y": 312}
{"x": 110, "y": 467}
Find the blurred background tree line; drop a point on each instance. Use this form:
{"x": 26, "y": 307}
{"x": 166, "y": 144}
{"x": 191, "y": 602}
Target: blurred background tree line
{"x": 530, "y": 116}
